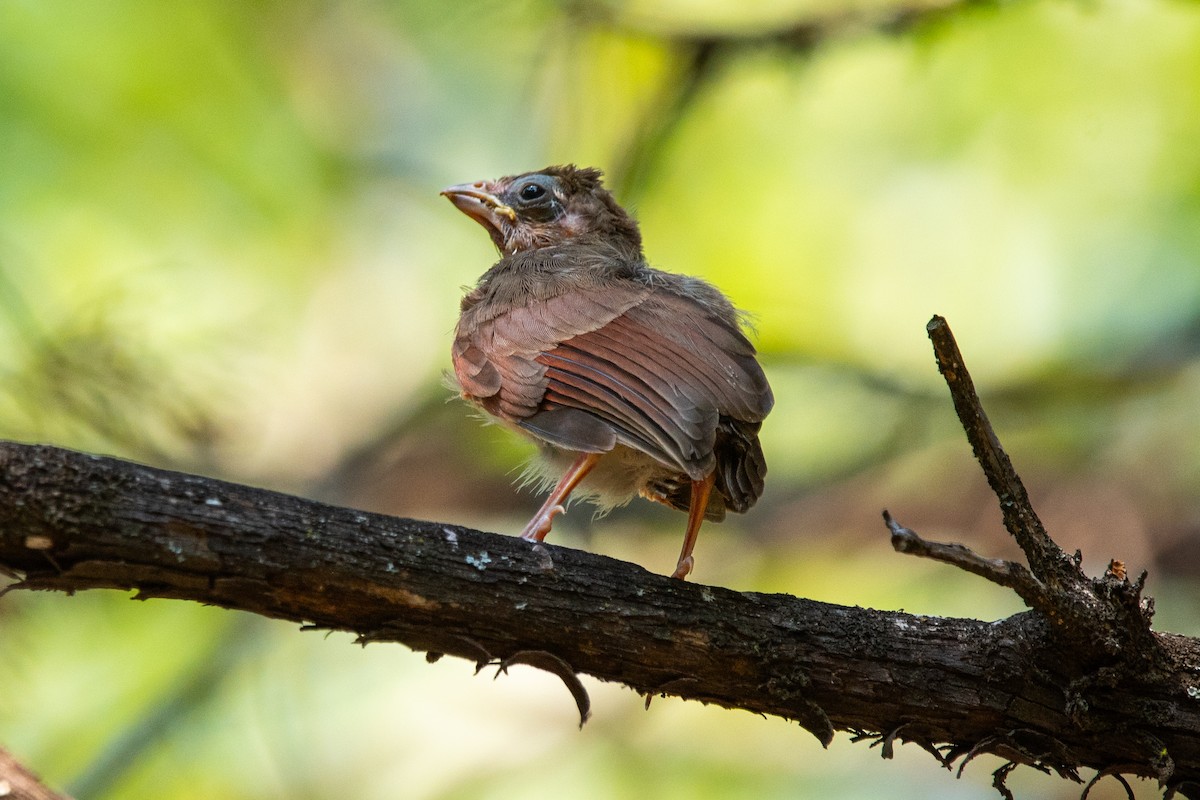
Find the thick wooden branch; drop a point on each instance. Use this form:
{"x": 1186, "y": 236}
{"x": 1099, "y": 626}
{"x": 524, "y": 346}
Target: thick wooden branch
{"x": 70, "y": 521}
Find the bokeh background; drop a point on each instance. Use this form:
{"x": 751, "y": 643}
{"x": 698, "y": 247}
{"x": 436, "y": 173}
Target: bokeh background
{"x": 222, "y": 250}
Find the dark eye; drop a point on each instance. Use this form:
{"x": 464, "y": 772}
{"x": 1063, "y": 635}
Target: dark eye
{"x": 531, "y": 191}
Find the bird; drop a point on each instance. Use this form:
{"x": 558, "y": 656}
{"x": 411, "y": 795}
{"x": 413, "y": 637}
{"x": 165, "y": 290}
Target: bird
{"x": 631, "y": 380}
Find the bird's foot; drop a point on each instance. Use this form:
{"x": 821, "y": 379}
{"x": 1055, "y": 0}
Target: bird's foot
{"x": 539, "y": 526}
{"x": 684, "y": 568}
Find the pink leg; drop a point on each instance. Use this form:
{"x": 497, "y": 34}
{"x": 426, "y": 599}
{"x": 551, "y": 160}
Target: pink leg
{"x": 539, "y": 526}
{"x": 700, "y": 492}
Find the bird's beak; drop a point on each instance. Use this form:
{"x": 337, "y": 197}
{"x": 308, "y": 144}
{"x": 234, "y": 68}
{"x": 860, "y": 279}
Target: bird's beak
{"x": 476, "y": 202}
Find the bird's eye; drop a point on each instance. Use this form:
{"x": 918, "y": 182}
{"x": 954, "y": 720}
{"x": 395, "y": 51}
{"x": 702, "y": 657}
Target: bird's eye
{"x": 531, "y": 191}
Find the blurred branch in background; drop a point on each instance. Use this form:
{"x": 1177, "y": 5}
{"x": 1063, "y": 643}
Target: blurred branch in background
{"x": 698, "y": 57}
{"x": 241, "y": 639}
{"x": 92, "y": 378}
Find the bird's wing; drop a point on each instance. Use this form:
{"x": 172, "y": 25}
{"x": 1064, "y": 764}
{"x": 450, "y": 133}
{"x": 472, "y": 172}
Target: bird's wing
{"x": 632, "y": 363}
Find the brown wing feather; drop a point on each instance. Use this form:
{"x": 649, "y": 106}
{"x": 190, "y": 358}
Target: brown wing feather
{"x": 635, "y": 421}
{"x": 493, "y": 353}
{"x": 663, "y": 373}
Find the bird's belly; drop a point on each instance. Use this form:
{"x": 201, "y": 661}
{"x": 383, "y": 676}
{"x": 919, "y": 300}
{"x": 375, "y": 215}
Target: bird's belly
{"x": 618, "y": 477}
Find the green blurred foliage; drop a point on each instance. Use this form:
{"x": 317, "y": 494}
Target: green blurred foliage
{"x": 222, "y": 249}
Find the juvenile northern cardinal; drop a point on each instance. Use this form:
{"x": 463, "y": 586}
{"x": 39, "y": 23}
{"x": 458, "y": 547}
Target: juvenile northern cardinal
{"x": 631, "y": 380}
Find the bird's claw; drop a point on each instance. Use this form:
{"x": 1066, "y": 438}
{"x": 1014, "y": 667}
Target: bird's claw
{"x": 540, "y": 525}
{"x": 683, "y": 568}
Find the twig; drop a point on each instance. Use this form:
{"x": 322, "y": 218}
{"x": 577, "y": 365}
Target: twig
{"x": 18, "y": 783}
{"x": 1105, "y": 618}
{"x": 1046, "y": 559}
{"x": 1005, "y": 573}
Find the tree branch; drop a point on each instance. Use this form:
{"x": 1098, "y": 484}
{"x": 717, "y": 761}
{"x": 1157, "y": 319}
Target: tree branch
{"x": 1046, "y": 559}
{"x": 1104, "y": 618}
{"x": 18, "y": 783}
{"x": 1055, "y": 689}
{"x": 70, "y": 521}
{"x": 1005, "y": 573}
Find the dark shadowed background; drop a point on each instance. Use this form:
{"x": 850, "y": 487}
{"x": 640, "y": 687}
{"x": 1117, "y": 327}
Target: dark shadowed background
{"x": 222, "y": 250}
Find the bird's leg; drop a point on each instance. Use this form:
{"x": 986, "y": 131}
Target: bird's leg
{"x": 700, "y": 492}
{"x": 539, "y": 526}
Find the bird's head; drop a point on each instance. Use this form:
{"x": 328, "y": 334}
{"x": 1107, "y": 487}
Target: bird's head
{"x": 553, "y": 206}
